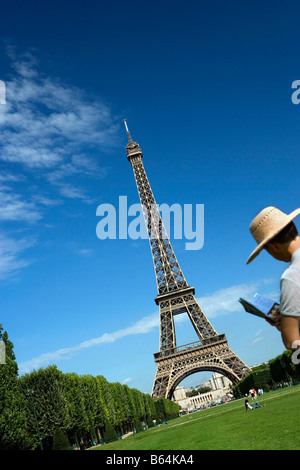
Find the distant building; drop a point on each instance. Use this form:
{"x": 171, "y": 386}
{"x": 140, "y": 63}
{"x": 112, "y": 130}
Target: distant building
{"x": 220, "y": 390}
{"x": 218, "y": 382}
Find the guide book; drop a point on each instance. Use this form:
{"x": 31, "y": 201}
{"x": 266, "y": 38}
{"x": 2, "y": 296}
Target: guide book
{"x": 260, "y": 306}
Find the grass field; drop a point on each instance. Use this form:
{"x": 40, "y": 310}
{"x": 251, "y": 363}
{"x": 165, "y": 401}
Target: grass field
{"x": 275, "y": 426}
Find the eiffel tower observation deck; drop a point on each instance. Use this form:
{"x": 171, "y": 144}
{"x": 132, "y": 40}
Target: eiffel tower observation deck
{"x": 175, "y": 296}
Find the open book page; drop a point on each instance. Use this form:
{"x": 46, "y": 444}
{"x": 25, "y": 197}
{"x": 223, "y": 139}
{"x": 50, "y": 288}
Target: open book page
{"x": 260, "y": 306}
{"x": 263, "y": 304}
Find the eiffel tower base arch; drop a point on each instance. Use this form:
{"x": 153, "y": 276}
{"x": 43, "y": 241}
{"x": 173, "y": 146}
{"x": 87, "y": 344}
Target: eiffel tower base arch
{"x": 212, "y": 354}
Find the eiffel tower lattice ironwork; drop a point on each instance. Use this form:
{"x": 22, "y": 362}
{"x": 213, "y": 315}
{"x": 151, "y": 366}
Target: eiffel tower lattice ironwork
{"x": 175, "y": 296}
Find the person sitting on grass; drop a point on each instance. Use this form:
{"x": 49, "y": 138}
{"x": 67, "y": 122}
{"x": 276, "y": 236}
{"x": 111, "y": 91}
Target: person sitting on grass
{"x": 249, "y": 407}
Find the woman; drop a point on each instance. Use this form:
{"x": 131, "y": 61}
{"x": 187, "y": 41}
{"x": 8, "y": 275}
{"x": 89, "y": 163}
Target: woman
{"x": 249, "y": 407}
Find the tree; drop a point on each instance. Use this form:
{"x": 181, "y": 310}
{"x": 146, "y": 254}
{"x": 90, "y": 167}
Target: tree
{"x": 131, "y": 414}
{"x": 110, "y": 434}
{"x": 95, "y": 406}
{"x": 47, "y": 403}
{"x": 13, "y": 425}
{"x": 288, "y": 363}
{"x": 140, "y": 412}
{"x": 277, "y": 369}
{"x": 60, "y": 440}
{"x": 166, "y": 408}
{"x": 198, "y": 391}
{"x": 78, "y": 413}
{"x": 106, "y": 398}
{"x": 149, "y": 408}
{"x": 123, "y": 411}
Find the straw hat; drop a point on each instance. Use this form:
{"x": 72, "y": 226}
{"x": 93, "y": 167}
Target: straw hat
{"x": 266, "y": 225}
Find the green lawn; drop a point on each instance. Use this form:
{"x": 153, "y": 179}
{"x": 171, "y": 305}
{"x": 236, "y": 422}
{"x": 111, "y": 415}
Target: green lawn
{"x": 227, "y": 427}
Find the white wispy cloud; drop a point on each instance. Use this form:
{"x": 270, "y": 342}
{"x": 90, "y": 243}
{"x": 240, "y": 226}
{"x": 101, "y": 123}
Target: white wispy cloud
{"x": 256, "y": 340}
{"x": 85, "y": 252}
{"x": 221, "y": 302}
{"x": 14, "y": 207}
{"x": 127, "y": 380}
{"x": 49, "y": 130}
{"x": 145, "y": 325}
{"x": 10, "y": 260}
{"x": 224, "y": 301}
{"x": 258, "y": 337}
{"x": 47, "y": 123}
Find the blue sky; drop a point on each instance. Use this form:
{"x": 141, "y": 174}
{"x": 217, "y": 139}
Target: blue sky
{"x": 206, "y": 89}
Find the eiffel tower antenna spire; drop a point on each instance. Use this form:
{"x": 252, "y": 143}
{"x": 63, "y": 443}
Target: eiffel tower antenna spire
{"x": 175, "y": 297}
{"x": 128, "y": 133}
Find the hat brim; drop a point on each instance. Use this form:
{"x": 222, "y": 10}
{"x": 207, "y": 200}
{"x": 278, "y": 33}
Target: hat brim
{"x": 262, "y": 244}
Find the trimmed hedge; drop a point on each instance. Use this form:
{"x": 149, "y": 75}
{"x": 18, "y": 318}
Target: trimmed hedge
{"x": 267, "y": 375}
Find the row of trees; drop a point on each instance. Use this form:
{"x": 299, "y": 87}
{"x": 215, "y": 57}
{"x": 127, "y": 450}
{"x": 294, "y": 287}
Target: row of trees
{"x": 198, "y": 391}
{"x": 86, "y": 409}
{"x": 267, "y": 376}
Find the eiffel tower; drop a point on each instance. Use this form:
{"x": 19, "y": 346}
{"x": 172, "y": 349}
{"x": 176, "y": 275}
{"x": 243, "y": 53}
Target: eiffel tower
{"x": 175, "y": 296}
